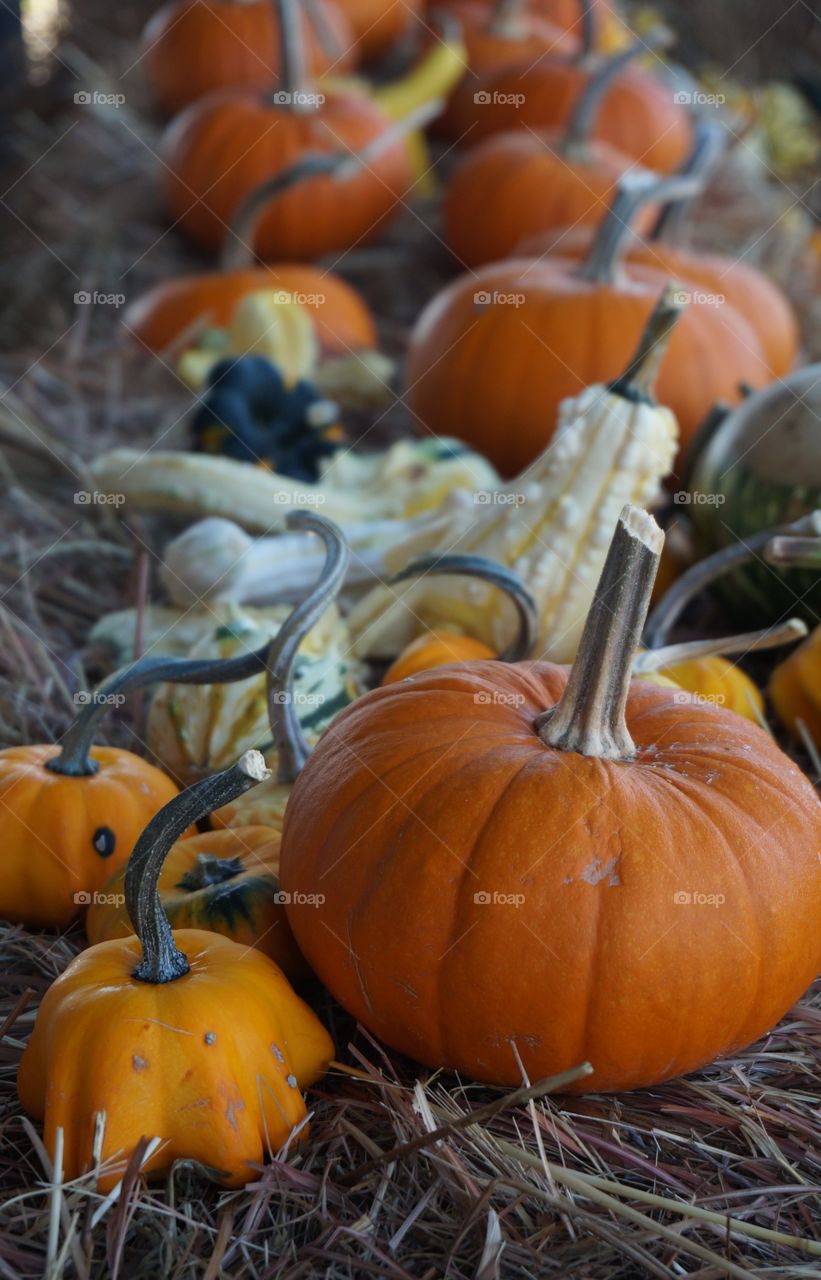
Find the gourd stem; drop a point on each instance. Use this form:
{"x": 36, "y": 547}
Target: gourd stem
{"x": 74, "y": 760}
{"x": 329, "y": 40}
{"x": 670, "y": 655}
{"x": 506, "y": 20}
{"x": 635, "y": 189}
{"x": 588, "y": 104}
{"x": 292, "y": 74}
{"x": 702, "y": 575}
{"x": 638, "y": 381}
{"x": 238, "y": 252}
{"x": 210, "y": 870}
{"x": 289, "y": 740}
{"x": 588, "y": 27}
{"x": 521, "y": 646}
{"x": 589, "y": 718}
{"x": 794, "y": 553}
{"x": 708, "y": 147}
{"x": 161, "y": 960}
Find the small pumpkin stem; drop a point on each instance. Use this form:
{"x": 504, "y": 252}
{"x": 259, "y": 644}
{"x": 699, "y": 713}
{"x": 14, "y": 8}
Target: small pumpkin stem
{"x": 210, "y": 870}
{"x": 670, "y": 655}
{"x": 506, "y": 20}
{"x": 292, "y": 78}
{"x": 702, "y": 575}
{"x": 589, "y": 718}
{"x": 588, "y": 104}
{"x": 521, "y": 646}
{"x": 74, "y": 760}
{"x": 289, "y": 740}
{"x": 329, "y": 40}
{"x": 638, "y": 381}
{"x": 635, "y": 190}
{"x": 794, "y": 553}
{"x": 588, "y": 27}
{"x": 238, "y": 252}
{"x": 161, "y": 960}
{"x": 709, "y": 145}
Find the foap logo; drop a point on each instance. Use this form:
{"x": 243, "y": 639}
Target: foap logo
{"x": 696, "y": 498}
{"x": 484, "y": 298}
{"x": 283, "y": 297}
{"x": 285, "y": 698}
{"x": 84, "y": 498}
{"x": 298, "y": 99}
{"x": 699, "y": 297}
{"x": 299, "y": 899}
{"x": 684, "y": 898}
{"x": 484, "y": 98}
{"x": 702, "y": 699}
{"x": 698, "y": 98}
{"x": 92, "y": 98}
{"x": 498, "y": 498}
{"x": 290, "y": 498}
{"x": 84, "y": 698}
{"x": 85, "y": 298}
{"x": 498, "y": 699}
{"x": 84, "y": 898}
{"x": 484, "y": 898}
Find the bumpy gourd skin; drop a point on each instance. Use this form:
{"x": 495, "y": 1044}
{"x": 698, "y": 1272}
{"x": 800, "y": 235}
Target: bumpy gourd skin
{"x": 62, "y": 837}
{"x": 212, "y": 1063}
{"x": 427, "y": 793}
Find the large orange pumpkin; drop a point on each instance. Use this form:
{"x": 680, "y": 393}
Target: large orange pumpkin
{"x": 341, "y": 317}
{"x": 220, "y": 151}
{"x": 191, "y": 47}
{"x": 529, "y": 865}
{"x": 495, "y": 353}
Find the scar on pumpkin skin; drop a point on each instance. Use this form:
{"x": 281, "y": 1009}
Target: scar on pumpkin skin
{"x": 138, "y": 1063}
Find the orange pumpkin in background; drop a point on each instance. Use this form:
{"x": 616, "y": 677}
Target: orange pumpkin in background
{"x": 191, "y": 47}
{"x": 583, "y": 866}
{"x": 516, "y": 187}
{"x": 379, "y": 25}
{"x": 221, "y": 151}
{"x": 639, "y": 115}
{"x": 177, "y": 307}
{"x": 435, "y": 649}
{"x": 495, "y": 353}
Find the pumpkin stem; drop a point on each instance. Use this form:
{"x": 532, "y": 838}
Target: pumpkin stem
{"x": 74, "y": 759}
{"x": 704, "y": 573}
{"x": 329, "y": 40}
{"x": 635, "y": 189}
{"x": 589, "y": 718}
{"x": 506, "y": 20}
{"x": 289, "y": 740}
{"x": 292, "y": 92}
{"x": 638, "y": 381}
{"x": 588, "y": 104}
{"x": 498, "y": 575}
{"x": 794, "y": 553}
{"x": 670, "y": 655}
{"x": 161, "y": 961}
{"x": 209, "y": 870}
{"x": 709, "y": 145}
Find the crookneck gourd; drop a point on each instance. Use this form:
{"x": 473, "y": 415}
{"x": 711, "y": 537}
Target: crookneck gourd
{"x": 582, "y": 867}
{"x": 187, "y": 1040}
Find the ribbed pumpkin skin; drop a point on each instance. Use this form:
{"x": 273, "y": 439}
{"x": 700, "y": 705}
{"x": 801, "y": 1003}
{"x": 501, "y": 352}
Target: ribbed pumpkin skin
{"x": 49, "y": 824}
{"x": 423, "y": 795}
{"x": 494, "y": 375}
{"x": 141, "y": 1052}
{"x": 343, "y": 322}
{"x": 638, "y": 115}
{"x": 191, "y": 47}
{"x": 220, "y": 149}
{"x": 245, "y": 907}
{"x": 525, "y": 188}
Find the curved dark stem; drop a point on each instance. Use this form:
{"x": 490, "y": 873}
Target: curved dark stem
{"x": 587, "y": 26}
{"x": 703, "y": 574}
{"x": 289, "y": 740}
{"x": 637, "y": 383}
{"x": 635, "y": 190}
{"x": 74, "y": 760}
{"x": 238, "y": 252}
{"x": 161, "y": 961}
{"x": 498, "y": 576}
{"x": 708, "y": 147}
{"x": 583, "y": 116}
